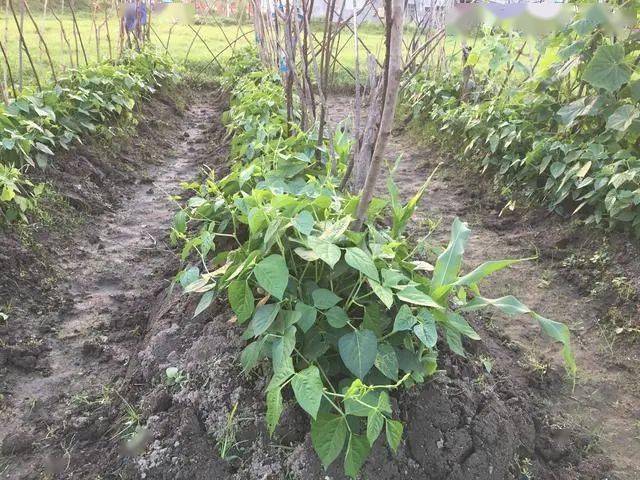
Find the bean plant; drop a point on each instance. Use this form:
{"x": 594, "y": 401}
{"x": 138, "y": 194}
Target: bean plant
{"x": 563, "y": 130}
{"x": 343, "y": 317}
{"x": 35, "y": 126}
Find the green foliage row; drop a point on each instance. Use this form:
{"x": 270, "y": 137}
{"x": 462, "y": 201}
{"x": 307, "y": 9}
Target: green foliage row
{"x": 567, "y": 135}
{"x": 37, "y": 125}
{"x": 342, "y": 317}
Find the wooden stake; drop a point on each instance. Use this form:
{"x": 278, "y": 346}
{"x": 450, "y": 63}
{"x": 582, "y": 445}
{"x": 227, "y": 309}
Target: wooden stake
{"x": 77, "y": 29}
{"x": 26, "y": 49}
{"x": 394, "y": 72}
{"x": 46, "y": 49}
{"x": 63, "y": 33}
{"x": 6, "y": 61}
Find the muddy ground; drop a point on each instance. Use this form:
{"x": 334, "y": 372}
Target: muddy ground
{"x": 94, "y": 324}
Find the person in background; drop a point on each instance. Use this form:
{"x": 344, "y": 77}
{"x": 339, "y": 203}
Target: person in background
{"x": 133, "y": 20}
{"x": 141, "y": 19}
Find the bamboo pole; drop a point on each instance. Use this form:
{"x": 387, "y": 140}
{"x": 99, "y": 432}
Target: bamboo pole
{"x": 6, "y": 40}
{"x": 215, "y": 59}
{"x": 26, "y": 49}
{"x": 63, "y": 33}
{"x": 20, "y": 51}
{"x": 205, "y": 43}
{"x": 106, "y": 23}
{"x": 46, "y": 49}
{"x": 96, "y": 31}
{"x": 173, "y": 25}
{"x": 77, "y": 29}
{"x": 193, "y": 40}
{"x": 357, "y": 106}
{"x": 6, "y": 61}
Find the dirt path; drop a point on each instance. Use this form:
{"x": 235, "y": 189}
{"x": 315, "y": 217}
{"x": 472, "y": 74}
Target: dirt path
{"x": 108, "y": 270}
{"x": 606, "y": 401}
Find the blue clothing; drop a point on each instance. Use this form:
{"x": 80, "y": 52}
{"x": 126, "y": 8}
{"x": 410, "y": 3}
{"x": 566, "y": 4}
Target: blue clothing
{"x": 131, "y": 14}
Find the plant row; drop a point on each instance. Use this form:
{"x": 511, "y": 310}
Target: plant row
{"x": 36, "y": 126}
{"x": 565, "y": 134}
{"x": 342, "y": 317}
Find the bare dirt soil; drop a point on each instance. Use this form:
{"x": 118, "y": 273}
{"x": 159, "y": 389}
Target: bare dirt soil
{"x": 95, "y": 323}
{"x": 78, "y": 295}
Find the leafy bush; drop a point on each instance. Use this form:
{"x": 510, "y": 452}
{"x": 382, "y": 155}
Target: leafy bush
{"x": 35, "y": 126}
{"x": 344, "y": 317}
{"x": 566, "y": 136}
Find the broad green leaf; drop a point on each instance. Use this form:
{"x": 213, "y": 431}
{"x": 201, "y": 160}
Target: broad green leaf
{"x": 281, "y": 376}
{"x": 308, "y": 255}
{"x": 337, "y": 317}
{"x": 608, "y": 68}
{"x": 263, "y": 318}
{"x": 375, "y": 320}
{"x": 387, "y": 361}
{"x": 326, "y": 251}
{"x": 485, "y": 270}
{"x": 557, "y": 168}
{"x": 308, "y": 316}
{"x": 357, "y": 452}
{"x": 454, "y": 340}
{"x": 570, "y": 112}
{"x": 361, "y": 261}
{"x": 272, "y": 274}
{"x": 405, "y": 320}
{"x": 334, "y": 231}
{"x": 307, "y": 387}
{"x": 583, "y": 171}
{"x": 303, "y": 222}
{"x": 375, "y": 422}
{"x": 180, "y": 221}
{"x": 622, "y": 118}
{"x": 457, "y": 322}
{"x": 271, "y": 235}
{"x": 328, "y": 434}
{"x": 416, "y": 297}
{"x": 43, "y": 148}
{"x": 189, "y": 276}
{"x": 634, "y": 89}
{"x": 425, "y": 329}
{"x": 251, "y": 355}
{"x": 241, "y": 299}
{"x": 358, "y": 351}
{"x": 282, "y": 349}
{"x": 324, "y": 299}
{"x": 257, "y": 220}
{"x": 394, "y": 279}
{"x": 274, "y": 409}
{"x": 383, "y": 293}
{"x": 362, "y": 405}
{"x": 448, "y": 265}
{"x": 204, "y": 302}
{"x": 394, "y": 433}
